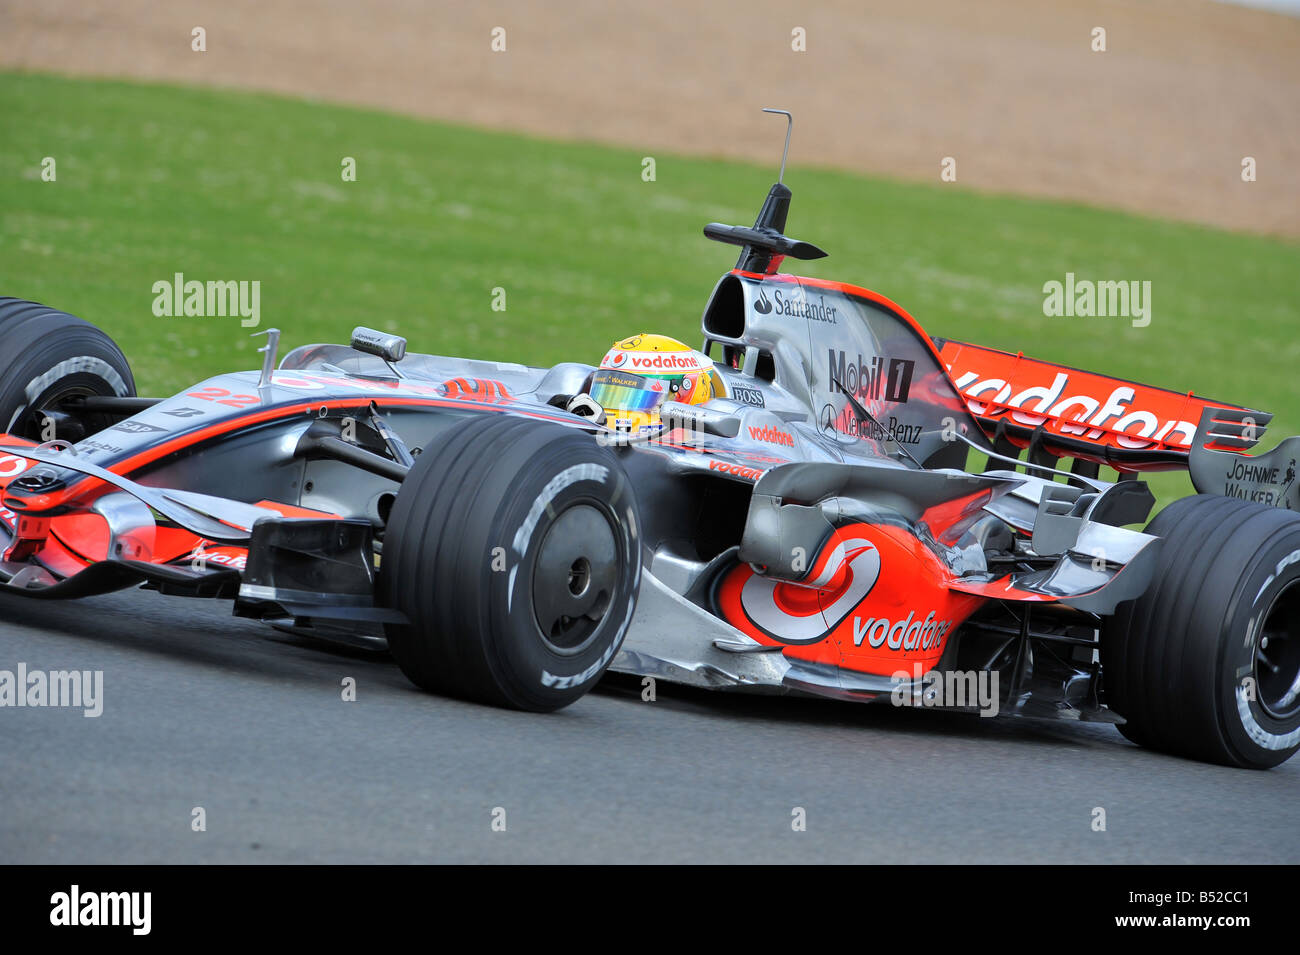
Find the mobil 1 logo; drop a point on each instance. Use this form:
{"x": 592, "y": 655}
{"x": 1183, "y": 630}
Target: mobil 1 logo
{"x": 881, "y": 378}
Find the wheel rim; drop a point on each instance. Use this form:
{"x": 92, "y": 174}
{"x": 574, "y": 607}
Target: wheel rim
{"x": 31, "y": 421}
{"x": 1277, "y": 656}
{"x": 577, "y": 571}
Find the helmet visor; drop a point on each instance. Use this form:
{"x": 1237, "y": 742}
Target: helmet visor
{"x": 619, "y": 391}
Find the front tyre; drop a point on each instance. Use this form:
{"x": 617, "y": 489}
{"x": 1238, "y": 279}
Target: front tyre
{"x": 50, "y": 356}
{"x": 1206, "y": 664}
{"x": 513, "y": 550}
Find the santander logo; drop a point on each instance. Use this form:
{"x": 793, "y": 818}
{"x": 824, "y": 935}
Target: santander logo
{"x": 792, "y": 613}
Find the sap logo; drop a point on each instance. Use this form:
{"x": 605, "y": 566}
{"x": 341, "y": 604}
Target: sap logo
{"x": 882, "y": 379}
{"x": 905, "y": 634}
{"x": 136, "y": 427}
{"x": 772, "y": 435}
{"x": 749, "y": 396}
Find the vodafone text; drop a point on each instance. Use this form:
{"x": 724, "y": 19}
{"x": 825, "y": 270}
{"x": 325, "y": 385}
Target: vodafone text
{"x": 1074, "y": 414}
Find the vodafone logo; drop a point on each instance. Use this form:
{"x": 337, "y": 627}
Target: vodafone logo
{"x": 11, "y": 465}
{"x": 794, "y": 614}
{"x": 772, "y": 435}
{"x": 619, "y": 360}
{"x": 905, "y": 634}
{"x": 738, "y": 470}
{"x": 1080, "y": 415}
{"x": 667, "y": 362}
{"x": 226, "y": 556}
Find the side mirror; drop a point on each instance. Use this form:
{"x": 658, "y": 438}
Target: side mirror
{"x": 696, "y": 418}
{"x": 388, "y": 347}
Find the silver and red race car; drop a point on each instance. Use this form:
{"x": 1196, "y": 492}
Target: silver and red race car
{"x": 788, "y": 509}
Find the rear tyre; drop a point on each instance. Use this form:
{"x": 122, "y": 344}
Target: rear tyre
{"x": 513, "y": 550}
{"x": 1206, "y": 663}
{"x": 51, "y": 356}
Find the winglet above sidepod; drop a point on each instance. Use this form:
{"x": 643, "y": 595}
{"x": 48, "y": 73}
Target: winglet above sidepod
{"x": 765, "y": 244}
{"x": 764, "y": 241}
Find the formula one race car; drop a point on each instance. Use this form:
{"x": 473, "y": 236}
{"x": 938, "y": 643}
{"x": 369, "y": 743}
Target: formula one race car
{"x": 786, "y": 510}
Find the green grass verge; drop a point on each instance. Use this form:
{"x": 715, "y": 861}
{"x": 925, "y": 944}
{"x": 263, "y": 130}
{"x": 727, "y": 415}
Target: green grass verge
{"x": 153, "y": 180}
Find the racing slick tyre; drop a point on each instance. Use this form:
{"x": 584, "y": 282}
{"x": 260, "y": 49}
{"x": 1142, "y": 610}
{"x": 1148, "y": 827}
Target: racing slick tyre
{"x": 50, "y": 356}
{"x": 1206, "y": 663}
{"x": 513, "y": 551}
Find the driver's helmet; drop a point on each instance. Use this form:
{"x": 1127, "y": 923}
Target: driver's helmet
{"x": 640, "y": 373}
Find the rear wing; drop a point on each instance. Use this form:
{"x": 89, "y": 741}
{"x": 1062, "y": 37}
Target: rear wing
{"x": 1056, "y": 411}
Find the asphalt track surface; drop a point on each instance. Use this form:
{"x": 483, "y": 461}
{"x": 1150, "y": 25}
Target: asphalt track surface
{"x": 202, "y": 709}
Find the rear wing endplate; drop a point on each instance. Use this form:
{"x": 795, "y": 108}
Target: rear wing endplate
{"x": 1218, "y": 465}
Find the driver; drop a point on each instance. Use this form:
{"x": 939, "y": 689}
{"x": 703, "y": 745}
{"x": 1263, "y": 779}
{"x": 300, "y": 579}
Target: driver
{"x": 639, "y": 374}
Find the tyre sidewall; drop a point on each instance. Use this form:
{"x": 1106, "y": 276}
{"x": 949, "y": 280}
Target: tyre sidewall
{"x": 1259, "y": 737}
{"x": 79, "y": 355}
{"x": 517, "y": 651}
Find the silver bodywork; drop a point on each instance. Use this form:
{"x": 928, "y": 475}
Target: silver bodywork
{"x": 789, "y": 439}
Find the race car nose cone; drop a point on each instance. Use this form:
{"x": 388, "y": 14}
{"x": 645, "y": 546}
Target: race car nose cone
{"x": 38, "y": 479}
